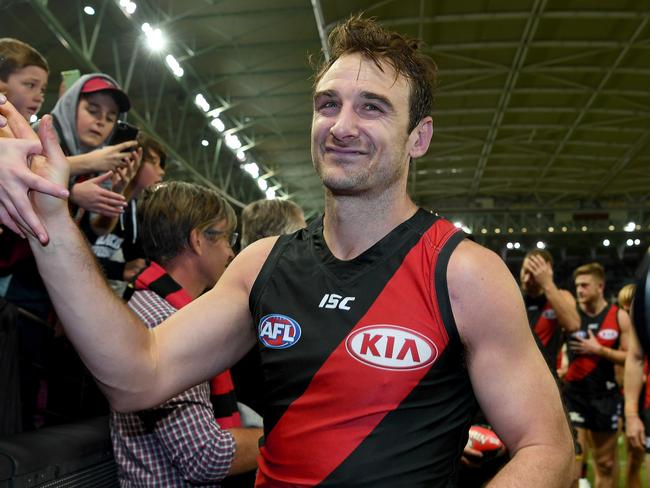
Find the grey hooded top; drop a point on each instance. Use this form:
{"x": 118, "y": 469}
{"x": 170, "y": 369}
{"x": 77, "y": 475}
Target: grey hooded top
{"x": 65, "y": 114}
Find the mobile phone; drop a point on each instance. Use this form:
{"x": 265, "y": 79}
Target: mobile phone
{"x": 68, "y": 77}
{"x": 124, "y": 132}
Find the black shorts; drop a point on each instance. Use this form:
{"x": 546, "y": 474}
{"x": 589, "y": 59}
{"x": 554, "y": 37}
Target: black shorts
{"x": 599, "y": 413}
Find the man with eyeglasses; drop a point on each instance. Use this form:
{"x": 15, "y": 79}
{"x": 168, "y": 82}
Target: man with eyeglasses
{"x": 187, "y": 234}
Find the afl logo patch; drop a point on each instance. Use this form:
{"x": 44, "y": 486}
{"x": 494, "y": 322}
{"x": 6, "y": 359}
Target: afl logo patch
{"x": 608, "y": 334}
{"x": 391, "y": 347}
{"x": 278, "y": 331}
{"x": 549, "y": 314}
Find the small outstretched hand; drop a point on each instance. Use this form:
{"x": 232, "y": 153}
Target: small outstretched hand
{"x": 33, "y": 170}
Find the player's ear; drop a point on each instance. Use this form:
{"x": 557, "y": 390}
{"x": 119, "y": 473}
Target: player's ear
{"x": 420, "y": 138}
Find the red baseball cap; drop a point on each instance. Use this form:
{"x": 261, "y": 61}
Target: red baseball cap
{"x": 98, "y": 83}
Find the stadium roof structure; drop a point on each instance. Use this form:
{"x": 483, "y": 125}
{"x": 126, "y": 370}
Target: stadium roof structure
{"x": 542, "y": 113}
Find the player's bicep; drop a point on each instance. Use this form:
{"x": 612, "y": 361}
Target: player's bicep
{"x": 214, "y": 331}
{"x": 509, "y": 375}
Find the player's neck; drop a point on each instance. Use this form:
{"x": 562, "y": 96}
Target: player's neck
{"x": 353, "y": 224}
{"x": 593, "y": 308}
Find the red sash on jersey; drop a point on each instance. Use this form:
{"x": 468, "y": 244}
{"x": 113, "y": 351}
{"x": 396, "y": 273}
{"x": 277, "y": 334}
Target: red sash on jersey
{"x": 585, "y": 363}
{"x": 545, "y": 327}
{"x": 222, "y": 391}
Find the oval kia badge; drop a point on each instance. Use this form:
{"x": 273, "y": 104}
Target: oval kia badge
{"x": 391, "y": 347}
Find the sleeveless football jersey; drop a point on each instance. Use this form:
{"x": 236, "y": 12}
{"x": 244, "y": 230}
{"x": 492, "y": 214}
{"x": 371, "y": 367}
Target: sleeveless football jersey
{"x": 364, "y": 372}
{"x": 589, "y": 373}
{"x": 543, "y": 320}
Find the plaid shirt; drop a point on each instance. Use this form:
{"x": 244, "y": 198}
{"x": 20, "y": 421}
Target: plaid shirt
{"x": 177, "y": 443}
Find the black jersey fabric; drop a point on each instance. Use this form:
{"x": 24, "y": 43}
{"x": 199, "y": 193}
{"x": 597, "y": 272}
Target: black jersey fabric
{"x": 364, "y": 372}
{"x": 589, "y": 374}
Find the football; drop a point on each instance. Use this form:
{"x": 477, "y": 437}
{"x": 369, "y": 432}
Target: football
{"x": 484, "y": 440}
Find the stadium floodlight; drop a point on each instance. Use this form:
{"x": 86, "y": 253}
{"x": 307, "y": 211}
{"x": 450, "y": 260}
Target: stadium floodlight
{"x": 201, "y": 102}
{"x": 218, "y": 124}
{"x": 175, "y": 66}
{"x": 155, "y": 39}
{"x": 252, "y": 169}
{"x": 233, "y": 142}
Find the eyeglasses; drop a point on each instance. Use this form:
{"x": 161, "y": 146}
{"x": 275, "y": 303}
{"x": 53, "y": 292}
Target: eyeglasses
{"x": 231, "y": 237}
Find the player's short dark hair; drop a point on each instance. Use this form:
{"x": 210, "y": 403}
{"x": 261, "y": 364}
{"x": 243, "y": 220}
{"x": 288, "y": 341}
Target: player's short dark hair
{"x": 367, "y": 37}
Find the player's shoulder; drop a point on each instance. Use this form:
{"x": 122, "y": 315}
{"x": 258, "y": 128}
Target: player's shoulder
{"x": 470, "y": 260}
{"x": 478, "y": 279}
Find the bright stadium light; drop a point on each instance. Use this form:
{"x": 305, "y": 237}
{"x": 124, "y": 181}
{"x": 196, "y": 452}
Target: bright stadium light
{"x": 88, "y": 10}
{"x": 263, "y": 184}
{"x": 252, "y": 169}
{"x": 201, "y": 102}
{"x": 218, "y": 124}
{"x": 233, "y": 142}
{"x": 155, "y": 39}
{"x": 174, "y": 66}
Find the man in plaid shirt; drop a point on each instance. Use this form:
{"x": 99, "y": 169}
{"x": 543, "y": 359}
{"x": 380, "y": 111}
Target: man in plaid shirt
{"x": 187, "y": 235}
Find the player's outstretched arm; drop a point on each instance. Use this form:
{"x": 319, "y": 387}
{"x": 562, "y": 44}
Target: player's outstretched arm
{"x": 513, "y": 384}
{"x": 136, "y": 367}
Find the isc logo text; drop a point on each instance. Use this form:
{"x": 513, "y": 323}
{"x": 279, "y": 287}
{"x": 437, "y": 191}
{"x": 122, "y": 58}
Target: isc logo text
{"x": 332, "y": 300}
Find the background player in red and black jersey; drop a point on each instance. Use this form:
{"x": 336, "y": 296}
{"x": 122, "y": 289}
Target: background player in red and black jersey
{"x": 550, "y": 309}
{"x": 592, "y": 395}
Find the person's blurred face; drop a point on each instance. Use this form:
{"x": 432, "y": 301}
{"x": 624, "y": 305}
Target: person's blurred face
{"x": 588, "y": 288}
{"x": 25, "y": 89}
{"x": 526, "y": 278}
{"x": 96, "y": 118}
{"x": 217, "y": 251}
{"x": 151, "y": 172}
